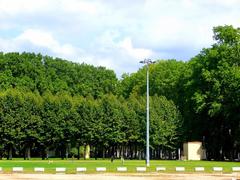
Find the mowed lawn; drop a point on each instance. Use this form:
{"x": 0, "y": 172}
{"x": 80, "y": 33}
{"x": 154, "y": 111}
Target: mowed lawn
{"x": 131, "y": 165}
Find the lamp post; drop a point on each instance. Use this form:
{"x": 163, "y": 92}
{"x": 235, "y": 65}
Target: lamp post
{"x": 147, "y": 62}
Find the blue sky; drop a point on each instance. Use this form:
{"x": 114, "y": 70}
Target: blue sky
{"x": 116, "y": 34}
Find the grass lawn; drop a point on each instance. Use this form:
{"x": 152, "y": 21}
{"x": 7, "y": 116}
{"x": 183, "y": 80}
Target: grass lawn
{"x": 131, "y": 165}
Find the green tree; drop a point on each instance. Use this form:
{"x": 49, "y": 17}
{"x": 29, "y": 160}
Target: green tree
{"x": 214, "y": 95}
{"x": 166, "y": 124}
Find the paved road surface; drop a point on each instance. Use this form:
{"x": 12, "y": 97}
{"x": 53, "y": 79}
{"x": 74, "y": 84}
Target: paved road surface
{"x": 117, "y": 177}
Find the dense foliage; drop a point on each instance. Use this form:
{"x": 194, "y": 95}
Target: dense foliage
{"x": 51, "y": 104}
{"x": 36, "y": 73}
{"x": 205, "y": 89}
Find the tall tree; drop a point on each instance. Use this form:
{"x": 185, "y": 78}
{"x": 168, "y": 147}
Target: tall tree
{"x": 215, "y": 99}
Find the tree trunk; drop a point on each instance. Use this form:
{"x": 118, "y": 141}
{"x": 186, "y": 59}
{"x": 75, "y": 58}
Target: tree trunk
{"x": 66, "y": 150}
{"x": 62, "y": 151}
{"x": 95, "y": 152}
{"x": 28, "y": 152}
{"x": 161, "y": 153}
{"x": 1, "y": 154}
{"x": 78, "y": 155}
{"x": 131, "y": 152}
{"x": 86, "y": 151}
{"x": 9, "y": 152}
{"x": 112, "y": 150}
{"x": 118, "y": 151}
{"x": 135, "y": 151}
{"x": 43, "y": 148}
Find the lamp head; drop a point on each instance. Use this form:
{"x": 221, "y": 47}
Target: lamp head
{"x": 147, "y": 61}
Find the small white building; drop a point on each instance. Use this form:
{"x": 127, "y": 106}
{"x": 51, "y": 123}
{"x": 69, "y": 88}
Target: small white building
{"x": 193, "y": 151}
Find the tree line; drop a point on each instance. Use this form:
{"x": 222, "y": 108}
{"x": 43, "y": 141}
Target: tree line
{"x": 52, "y": 104}
{"x": 206, "y": 90}
{"x": 34, "y": 124}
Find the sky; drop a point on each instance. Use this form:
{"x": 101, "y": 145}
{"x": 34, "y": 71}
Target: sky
{"x": 116, "y": 34}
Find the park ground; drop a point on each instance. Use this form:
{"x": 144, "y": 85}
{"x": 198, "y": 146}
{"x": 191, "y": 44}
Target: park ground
{"x": 71, "y": 165}
{"x": 111, "y": 173}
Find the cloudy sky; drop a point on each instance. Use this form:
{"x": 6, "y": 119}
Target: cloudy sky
{"x": 116, "y": 34}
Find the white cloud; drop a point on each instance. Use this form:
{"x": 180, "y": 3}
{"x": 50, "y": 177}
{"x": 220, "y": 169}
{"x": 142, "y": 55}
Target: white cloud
{"x": 14, "y": 7}
{"x": 115, "y": 34}
{"x": 224, "y": 3}
{"x": 76, "y": 6}
{"x": 113, "y": 56}
{"x": 38, "y": 38}
{"x": 44, "y": 39}
{"x": 137, "y": 53}
{"x": 40, "y": 41}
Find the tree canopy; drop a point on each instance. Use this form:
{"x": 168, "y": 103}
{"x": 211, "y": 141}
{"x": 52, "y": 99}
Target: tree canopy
{"x": 53, "y": 104}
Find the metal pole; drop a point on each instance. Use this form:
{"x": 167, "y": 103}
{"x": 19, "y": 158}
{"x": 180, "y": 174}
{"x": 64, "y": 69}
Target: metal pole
{"x": 147, "y": 62}
{"x": 147, "y": 136}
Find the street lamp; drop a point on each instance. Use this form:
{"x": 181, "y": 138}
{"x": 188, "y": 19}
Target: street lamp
{"x": 147, "y": 62}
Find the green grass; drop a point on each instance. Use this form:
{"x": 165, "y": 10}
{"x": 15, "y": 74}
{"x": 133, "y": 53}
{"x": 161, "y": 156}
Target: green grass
{"x": 91, "y": 165}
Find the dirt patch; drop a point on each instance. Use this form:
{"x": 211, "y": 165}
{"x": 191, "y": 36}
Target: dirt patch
{"x": 117, "y": 177}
